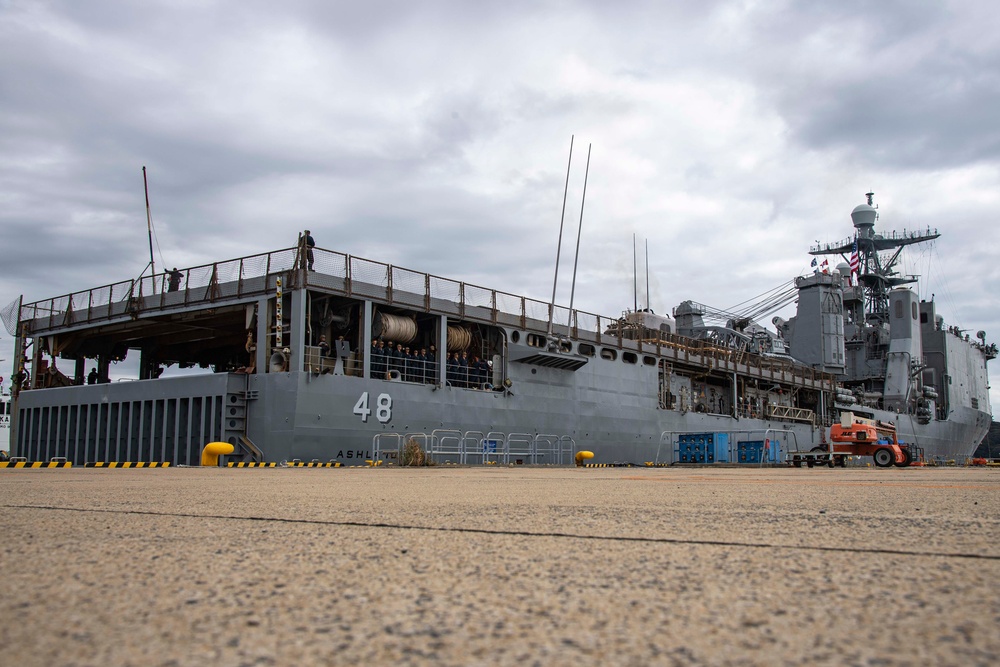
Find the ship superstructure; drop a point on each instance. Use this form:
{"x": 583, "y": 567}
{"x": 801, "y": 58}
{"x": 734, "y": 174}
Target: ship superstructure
{"x": 891, "y": 351}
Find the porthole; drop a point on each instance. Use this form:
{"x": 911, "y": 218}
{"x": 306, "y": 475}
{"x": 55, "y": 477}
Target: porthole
{"x": 630, "y": 357}
{"x": 609, "y": 354}
{"x": 515, "y": 336}
{"x": 648, "y": 360}
{"x": 586, "y": 349}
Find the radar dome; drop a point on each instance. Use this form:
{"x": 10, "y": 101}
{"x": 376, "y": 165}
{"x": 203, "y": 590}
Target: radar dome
{"x": 863, "y": 215}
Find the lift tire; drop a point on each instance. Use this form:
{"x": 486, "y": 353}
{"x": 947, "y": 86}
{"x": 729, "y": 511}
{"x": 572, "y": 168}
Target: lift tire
{"x": 884, "y": 457}
{"x": 797, "y": 461}
{"x": 907, "y": 458}
{"x": 841, "y": 461}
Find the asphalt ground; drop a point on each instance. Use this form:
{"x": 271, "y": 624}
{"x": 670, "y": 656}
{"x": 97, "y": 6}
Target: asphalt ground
{"x": 508, "y": 566}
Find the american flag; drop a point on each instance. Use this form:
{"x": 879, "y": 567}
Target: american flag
{"x": 855, "y": 260}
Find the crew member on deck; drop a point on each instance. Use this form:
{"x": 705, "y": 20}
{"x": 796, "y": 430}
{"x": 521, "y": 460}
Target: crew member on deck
{"x": 174, "y": 280}
{"x": 375, "y": 361}
{"x": 310, "y": 244}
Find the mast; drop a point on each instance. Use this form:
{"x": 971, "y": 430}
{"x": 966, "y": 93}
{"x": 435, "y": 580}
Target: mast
{"x": 635, "y": 279}
{"x": 647, "y": 274}
{"x": 562, "y": 218}
{"x": 579, "y": 231}
{"x": 149, "y": 228}
{"x": 876, "y": 272}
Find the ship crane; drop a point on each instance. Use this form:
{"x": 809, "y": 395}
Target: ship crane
{"x": 743, "y": 314}
{"x": 739, "y": 330}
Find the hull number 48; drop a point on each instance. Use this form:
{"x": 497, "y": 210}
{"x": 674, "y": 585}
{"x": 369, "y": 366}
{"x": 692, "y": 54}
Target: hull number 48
{"x": 383, "y": 408}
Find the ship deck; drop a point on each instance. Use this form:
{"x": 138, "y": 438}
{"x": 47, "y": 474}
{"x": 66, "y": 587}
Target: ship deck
{"x": 208, "y": 309}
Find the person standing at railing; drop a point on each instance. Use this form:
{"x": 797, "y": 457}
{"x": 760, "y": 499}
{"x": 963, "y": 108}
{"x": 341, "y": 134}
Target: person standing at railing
{"x": 432, "y": 365}
{"x": 174, "y": 280}
{"x": 310, "y": 243}
{"x": 376, "y": 359}
{"x": 422, "y": 373}
{"x": 399, "y": 360}
{"x": 463, "y": 370}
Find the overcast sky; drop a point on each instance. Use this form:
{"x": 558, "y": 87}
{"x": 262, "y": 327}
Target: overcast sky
{"x": 435, "y": 136}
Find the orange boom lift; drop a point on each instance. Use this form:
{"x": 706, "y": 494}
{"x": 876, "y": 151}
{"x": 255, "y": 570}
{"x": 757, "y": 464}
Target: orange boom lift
{"x": 859, "y": 436}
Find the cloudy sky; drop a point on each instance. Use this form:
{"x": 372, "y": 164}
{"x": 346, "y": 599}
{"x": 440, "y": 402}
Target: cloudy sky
{"x": 730, "y": 136}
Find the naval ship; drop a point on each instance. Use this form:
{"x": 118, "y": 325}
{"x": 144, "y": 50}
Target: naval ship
{"x": 314, "y": 357}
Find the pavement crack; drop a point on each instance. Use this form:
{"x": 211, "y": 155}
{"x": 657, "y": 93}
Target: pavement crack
{"x": 524, "y": 533}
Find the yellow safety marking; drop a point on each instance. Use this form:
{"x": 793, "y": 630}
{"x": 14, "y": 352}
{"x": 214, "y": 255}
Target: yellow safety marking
{"x": 35, "y": 464}
{"x": 128, "y": 464}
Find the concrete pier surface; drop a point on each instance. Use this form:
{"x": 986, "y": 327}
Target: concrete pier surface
{"x": 510, "y": 566}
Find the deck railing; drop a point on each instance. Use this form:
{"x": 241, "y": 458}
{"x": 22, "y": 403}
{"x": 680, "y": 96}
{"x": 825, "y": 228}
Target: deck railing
{"x": 353, "y": 276}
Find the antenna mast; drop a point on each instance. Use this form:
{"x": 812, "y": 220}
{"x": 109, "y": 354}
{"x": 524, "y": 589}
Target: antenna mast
{"x": 562, "y": 218}
{"x": 635, "y": 279}
{"x": 579, "y": 230}
{"x": 647, "y": 274}
{"x": 149, "y": 228}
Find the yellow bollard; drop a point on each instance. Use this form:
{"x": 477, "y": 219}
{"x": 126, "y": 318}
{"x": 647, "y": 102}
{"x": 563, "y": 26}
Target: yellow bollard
{"x": 583, "y": 456}
{"x": 213, "y": 450}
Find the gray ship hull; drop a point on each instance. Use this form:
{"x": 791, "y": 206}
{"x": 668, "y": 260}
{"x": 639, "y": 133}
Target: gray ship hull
{"x": 322, "y": 418}
{"x": 307, "y": 417}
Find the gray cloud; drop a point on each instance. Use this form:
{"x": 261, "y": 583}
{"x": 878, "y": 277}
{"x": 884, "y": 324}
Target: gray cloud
{"x": 435, "y": 135}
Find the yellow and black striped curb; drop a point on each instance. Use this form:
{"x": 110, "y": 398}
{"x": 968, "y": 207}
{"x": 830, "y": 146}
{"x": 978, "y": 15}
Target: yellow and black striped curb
{"x": 35, "y": 464}
{"x": 295, "y": 464}
{"x": 302, "y": 464}
{"x": 99, "y": 464}
{"x": 313, "y": 464}
{"x": 128, "y": 464}
{"x": 607, "y": 465}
